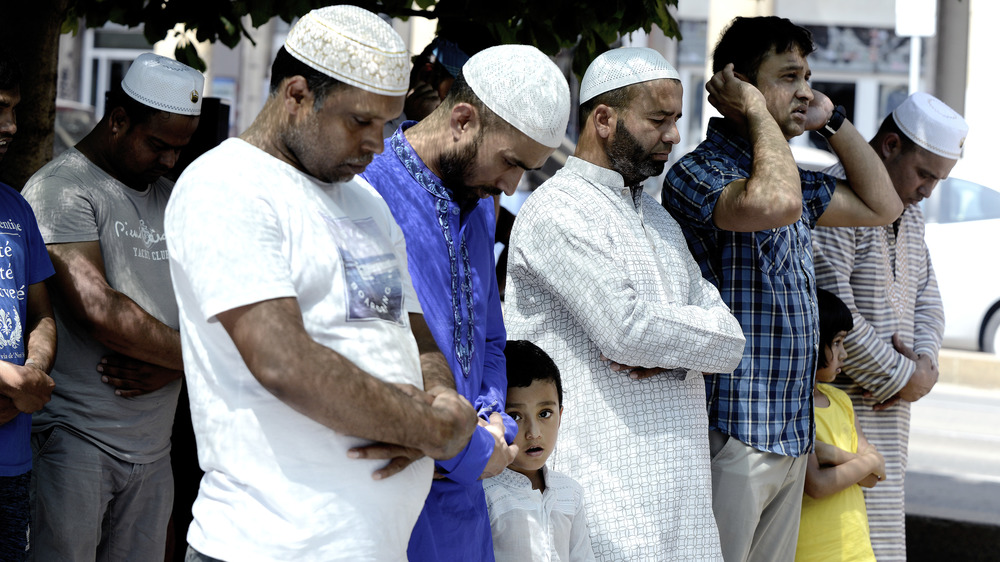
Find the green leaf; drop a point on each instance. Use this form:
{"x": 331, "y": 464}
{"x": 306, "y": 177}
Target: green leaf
{"x": 187, "y": 54}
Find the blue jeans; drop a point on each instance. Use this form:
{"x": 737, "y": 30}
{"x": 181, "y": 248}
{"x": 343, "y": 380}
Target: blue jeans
{"x": 14, "y": 516}
{"x": 87, "y": 504}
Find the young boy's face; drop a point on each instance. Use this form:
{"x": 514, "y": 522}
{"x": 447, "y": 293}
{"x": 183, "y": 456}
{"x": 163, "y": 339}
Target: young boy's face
{"x": 537, "y": 412}
{"x": 835, "y": 356}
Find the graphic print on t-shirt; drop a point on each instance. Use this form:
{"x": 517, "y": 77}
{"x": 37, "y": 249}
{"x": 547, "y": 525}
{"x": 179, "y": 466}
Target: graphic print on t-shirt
{"x": 374, "y": 286}
{"x": 12, "y": 291}
{"x": 147, "y": 236}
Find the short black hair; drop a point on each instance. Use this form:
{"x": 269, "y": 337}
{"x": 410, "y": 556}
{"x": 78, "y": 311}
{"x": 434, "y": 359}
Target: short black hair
{"x": 617, "y": 99}
{"x": 137, "y": 111}
{"x": 10, "y": 70}
{"x": 834, "y": 317}
{"x": 889, "y": 126}
{"x": 320, "y": 84}
{"x": 527, "y": 363}
{"x": 461, "y": 92}
{"x": 747, "y": 41}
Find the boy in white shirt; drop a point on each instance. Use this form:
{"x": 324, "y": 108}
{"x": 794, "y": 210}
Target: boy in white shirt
{"x": 535, "y": 514}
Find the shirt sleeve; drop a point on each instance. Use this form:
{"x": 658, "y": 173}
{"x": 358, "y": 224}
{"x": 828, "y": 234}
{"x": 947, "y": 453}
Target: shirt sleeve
{"x": 577, "y": 262}
{"x": 928, "y": 316}
{"x": 493, "y": 393}
{"x": 694, "y": 184}
{"x": 817, "y": 192}
{"x": 39, "y": 264}
{"x": 874, "y": 363}
{"x": 200, "y": 230}
{"x": 64, "y": 210}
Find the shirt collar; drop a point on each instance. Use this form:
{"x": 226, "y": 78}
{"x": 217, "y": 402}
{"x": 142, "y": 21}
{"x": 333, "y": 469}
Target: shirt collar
{"x": 515, "y": 479}
{"x": 605, "y": 179}
{"x": 595, "y": 174}
{"x": 721, "y": 135}
{"x": 419, "y": 171}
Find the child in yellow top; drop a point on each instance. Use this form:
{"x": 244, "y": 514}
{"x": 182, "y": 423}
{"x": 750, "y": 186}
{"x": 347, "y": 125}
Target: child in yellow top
{"x": 834, "y": 525}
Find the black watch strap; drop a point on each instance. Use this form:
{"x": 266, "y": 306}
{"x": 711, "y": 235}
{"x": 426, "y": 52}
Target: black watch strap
{"x": 835, "y": 122}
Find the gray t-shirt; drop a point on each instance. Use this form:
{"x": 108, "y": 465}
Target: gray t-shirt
{"x": 76, "y": 201}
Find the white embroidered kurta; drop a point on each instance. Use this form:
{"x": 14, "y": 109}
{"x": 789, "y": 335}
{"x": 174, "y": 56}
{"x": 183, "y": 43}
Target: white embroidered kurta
{"x": 885, "y": 277}
{"x": 592, "y": 270}
{"x": 529, "y": 525}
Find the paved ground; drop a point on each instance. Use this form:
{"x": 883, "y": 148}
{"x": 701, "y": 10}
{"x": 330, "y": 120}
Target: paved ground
{"x": 953, "y": 480}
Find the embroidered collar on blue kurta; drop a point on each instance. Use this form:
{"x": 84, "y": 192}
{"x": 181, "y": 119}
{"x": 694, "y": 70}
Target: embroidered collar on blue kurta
{"x": 463, "y": 335}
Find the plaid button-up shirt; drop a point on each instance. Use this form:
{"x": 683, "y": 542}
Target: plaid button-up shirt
{"x": 767, "y": 279}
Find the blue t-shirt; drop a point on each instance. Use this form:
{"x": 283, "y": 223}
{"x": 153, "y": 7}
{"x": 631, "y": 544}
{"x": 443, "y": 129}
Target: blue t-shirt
{"x": 23, "y": 262}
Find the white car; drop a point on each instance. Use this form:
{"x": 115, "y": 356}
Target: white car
{"x": 963, "y": 235}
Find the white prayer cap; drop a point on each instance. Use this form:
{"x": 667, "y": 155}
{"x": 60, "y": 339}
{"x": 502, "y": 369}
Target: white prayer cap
{"x": 932, "y": 125}
{"x": 524, "y": 87}
{"x": 622, "y": 67}
{"x": 354, "y": 46}
{"x": 165, "y": 84}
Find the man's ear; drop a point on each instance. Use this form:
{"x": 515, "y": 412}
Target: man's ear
{"x": 605, "y": 120}
{"x": 889, "y": 145}
{"x": 464, "y": 120}
{"x": 295, "y": 94}
{"x": 560, "y": 416}
{"x": 118, "y": 121}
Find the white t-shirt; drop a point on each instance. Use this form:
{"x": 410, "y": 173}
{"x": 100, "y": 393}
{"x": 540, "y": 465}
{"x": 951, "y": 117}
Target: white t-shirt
{"x": 245, "y": 227}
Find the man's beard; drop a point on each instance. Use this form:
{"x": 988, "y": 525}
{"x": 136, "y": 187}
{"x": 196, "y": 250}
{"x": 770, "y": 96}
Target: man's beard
{"x": 630, "y": 159}
{"x": 457, "y": 166}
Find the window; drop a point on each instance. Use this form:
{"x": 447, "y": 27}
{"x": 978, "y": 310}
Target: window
{"x": 956, "y": 200}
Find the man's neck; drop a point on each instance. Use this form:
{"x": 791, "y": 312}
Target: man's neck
{"x": 95, "y": 148}
{"x": 429, "y": 138}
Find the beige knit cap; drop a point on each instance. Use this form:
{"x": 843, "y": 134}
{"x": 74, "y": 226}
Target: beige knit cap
{"x": 354, "y": 46}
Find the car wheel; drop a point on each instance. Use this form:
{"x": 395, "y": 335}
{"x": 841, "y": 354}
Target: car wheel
{"x": 991, "y": 333}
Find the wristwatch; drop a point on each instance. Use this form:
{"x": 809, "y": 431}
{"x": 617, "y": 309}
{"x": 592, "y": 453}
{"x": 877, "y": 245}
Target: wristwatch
{"x": 835, "y": 122}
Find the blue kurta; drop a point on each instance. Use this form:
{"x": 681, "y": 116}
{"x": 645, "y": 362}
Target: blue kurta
{"x": 450, "y": 253}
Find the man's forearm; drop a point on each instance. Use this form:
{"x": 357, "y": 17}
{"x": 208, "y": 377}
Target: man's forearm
{"x": 436, "y": 371}
{"x": 330, "y": 389}
{"x": 866, "y": 175}
{"x": 772, "y": 196}
{"x": 41, "y": 333}
{"x": 126, "y": 328}
{"x": 433, "y": 365}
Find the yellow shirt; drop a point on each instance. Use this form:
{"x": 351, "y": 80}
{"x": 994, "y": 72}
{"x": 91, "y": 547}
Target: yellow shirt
{"x": 835, "y": 528}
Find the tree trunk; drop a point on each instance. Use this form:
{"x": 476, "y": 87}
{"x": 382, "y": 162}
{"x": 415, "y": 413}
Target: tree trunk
{"x": 31, "y": 29}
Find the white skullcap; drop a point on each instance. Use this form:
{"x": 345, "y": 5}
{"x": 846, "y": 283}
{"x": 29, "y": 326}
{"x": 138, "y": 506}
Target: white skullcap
{"x": 524, "y": 87}
{"x": 353, "y": 46}
{"x": 165, "y": 84}
{"x": 932, "y": 125}
{"x": 622, "y": 67}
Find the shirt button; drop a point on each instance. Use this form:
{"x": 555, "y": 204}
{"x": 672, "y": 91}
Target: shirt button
{"x": 454, "y": 210}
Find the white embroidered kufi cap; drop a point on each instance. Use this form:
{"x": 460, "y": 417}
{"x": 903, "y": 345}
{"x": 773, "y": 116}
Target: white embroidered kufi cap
{"x": 622, "y": 67}
{"x": 354, "y": 46}
{"x": 165, "y": 84}
{"x": 524, "y": 87}
{"x": 932, "y": 125}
